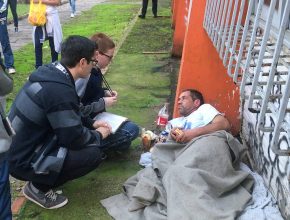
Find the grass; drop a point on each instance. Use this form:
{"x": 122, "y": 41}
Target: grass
{"x": 143, "y": 82}
{"x": 110, "y": 19}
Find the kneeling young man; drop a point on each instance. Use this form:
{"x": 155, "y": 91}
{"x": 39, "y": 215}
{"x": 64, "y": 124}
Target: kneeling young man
{"x": 53, "y": 142}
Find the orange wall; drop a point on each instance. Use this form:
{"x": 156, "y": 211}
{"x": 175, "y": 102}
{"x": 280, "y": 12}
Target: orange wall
{"x": 202, "y": 69}
{"x": 180, "y": 16}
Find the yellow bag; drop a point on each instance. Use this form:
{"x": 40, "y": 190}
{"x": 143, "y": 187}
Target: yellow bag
{"x": 37, "y": 13}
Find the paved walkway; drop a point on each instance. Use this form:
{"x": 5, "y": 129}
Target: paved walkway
{"x": 23, "y": 37}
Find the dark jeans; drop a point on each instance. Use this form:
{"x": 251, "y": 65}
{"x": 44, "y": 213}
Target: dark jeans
{"x": 76, "y": 164}
{"x": 5, "y": 197}
{"x": 145, "y": 5}
{"x": 121, "y": 140}
{"x": 13, "y": 7}
{"x": 4, "y": 41}
{"x": 38, "y": 35}
{"x": 81, "y": 162}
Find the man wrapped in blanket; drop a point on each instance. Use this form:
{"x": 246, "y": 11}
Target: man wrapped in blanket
{"x": 196, "y": 118}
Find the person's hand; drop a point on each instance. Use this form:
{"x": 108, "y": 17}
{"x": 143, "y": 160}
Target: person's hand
{"x": 109, "y": 94}
{"x": 105, "y": 131}
{"x": 110, "y": 101}
{"x": 100, "y": 123}
{"x": 183, "y": 136}
{"x": 175, "y": 133}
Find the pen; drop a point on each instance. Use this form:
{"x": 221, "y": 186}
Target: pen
{"x": 107, "y": 85}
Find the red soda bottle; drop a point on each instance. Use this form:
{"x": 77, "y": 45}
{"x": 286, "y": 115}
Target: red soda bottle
{"x": 162, "y": 118}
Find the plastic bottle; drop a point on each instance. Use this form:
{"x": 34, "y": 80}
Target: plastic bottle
{"x": 162, "y": 118}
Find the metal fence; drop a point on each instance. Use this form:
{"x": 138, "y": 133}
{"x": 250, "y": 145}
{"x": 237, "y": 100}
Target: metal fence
{"x": 256, "y": 55}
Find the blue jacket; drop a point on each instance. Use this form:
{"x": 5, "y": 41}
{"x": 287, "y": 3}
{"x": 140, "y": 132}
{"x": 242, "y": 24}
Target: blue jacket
{"x": 47, "y": 106}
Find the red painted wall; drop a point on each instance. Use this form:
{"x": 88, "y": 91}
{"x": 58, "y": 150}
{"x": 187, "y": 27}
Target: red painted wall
{"x": 202, "y": 69}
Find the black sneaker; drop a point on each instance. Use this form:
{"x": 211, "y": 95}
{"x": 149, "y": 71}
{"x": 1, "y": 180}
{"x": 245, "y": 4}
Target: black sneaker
{"x": 48, "y": 200}
{"x": 155, "y": 16}
{"x": 141, "y": 16}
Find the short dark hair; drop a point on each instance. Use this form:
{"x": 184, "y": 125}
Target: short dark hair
{"x": 195, "y": 95}
{"x": 104, "y": 43}
{"x": 76, "y": 47}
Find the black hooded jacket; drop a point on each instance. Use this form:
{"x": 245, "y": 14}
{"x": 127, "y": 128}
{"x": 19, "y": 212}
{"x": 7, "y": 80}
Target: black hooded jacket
{"x": 47, "y": 106}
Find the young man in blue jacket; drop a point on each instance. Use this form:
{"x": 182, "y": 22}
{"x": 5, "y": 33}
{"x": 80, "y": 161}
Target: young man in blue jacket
{"x": 53, "y": 142}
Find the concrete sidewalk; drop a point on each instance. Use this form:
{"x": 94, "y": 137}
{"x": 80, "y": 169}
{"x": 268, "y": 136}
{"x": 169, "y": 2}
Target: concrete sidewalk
{"x": 24, "y": 36}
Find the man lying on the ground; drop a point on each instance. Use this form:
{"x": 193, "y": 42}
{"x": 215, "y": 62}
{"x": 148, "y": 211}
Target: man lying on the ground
{"x": 195, "y": 177}
{"x": 53, "y": 142}
{"x": 197, "y": 118}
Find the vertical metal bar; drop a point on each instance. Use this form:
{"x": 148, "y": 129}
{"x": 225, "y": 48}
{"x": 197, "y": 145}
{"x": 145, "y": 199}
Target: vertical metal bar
{"x": 228, "y": 42}
{"x": 212, "y": 17}
{"x": 226, "y": 28}
{"x": 209, "y": 15}
{"x": 219, "y": 22}
{"x": 281, "y": 116}
{"x": 244, "y": 37}
{"x": 222, "y": 26}
{"x": 206, "y": 13}
{"x": 262, "y": 53}
{"x": 273, "y": 69}
{"x": 214, "y": 30}
{"x": 251, "y": 46}
{"x": 233, "y": 48}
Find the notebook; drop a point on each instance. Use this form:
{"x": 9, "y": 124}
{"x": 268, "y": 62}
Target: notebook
{"x": 115, "y": 121}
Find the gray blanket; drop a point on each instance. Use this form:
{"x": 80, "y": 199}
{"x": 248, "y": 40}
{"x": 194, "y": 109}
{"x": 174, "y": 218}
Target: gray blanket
{"x": 194, "y": 181}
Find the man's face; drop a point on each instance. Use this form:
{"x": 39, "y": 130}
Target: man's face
{"x": 104, "y": 58}
{"x": 186, "y": 105}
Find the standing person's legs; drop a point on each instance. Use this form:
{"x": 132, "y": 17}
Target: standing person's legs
{"x": 72, "y": 6}
{"x": 54, "y": 54}
{"x": 38, "y": 35}
{"x": 154, "y": 7}
{"x": 4, "y": 40}
{"x": 13, "y": 7}
{"x": 144, "y": 7}
{"x": 123, "y": 137}
{"x": 5, "y": 197}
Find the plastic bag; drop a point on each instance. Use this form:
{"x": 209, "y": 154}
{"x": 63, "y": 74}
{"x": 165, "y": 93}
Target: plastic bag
{"x": 37, "y": 13}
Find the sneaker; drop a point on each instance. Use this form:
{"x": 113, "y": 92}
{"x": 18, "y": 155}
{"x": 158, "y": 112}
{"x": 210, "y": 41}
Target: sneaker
{"x": 72, "y": 15}
{"x": 155, "y": 15}
{"x": 48, "y": 200}
{"x": 16, "y": 29}
{"x": 11, "y": 70}
{"x": 141, "y": 16}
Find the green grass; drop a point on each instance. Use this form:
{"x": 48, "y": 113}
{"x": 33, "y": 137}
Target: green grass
{"x": 143, "y": 82}
{"x": 85, "y": 194}
{"x": 110, "y": 19}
